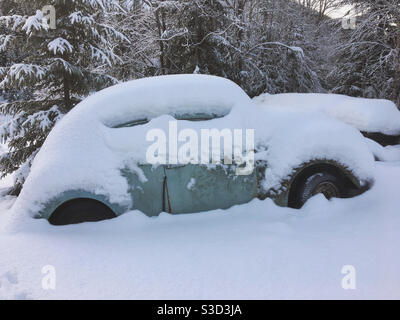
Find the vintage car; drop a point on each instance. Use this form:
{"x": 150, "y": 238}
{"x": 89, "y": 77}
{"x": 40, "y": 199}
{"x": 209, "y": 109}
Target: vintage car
{"x": 93, "y": 165}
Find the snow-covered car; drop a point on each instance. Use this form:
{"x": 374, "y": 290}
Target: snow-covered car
{"x": 94, "y": 163}
{"x": 376, "y": 119}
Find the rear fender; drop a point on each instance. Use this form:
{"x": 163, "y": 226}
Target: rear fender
{"x": 51, "y": 205}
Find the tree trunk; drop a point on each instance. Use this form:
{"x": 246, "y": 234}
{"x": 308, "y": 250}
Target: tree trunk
{"x": 240, "y": 15}
{"x": 161, "y": 44}
{"x": 67, "y": 95}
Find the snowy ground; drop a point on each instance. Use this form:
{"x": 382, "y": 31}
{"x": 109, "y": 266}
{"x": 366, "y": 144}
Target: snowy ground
{"x": 254, "y": 251}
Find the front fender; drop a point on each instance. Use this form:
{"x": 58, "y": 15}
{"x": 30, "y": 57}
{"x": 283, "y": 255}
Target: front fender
{"x": 281, "y": 197}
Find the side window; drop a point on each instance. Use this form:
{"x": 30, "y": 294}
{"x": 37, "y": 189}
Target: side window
{"x": 132, "y": 123}
{"x": 185, "y": 116}
{"x": 198, "y": 116}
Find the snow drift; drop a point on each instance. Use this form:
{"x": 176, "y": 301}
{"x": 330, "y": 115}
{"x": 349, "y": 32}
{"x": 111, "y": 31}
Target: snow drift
{"x": 367, "y": 115}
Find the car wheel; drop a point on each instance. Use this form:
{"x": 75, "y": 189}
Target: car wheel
{"x": 80, "y": 210}
{"x": 319, "y": 183}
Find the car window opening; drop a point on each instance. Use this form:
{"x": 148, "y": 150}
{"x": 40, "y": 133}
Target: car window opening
{"x": 196, "y": 117}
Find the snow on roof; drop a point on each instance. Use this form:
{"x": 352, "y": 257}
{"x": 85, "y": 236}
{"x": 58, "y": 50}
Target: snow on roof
{"x": 368, "y": 115}
{"x": 151, "y": 97}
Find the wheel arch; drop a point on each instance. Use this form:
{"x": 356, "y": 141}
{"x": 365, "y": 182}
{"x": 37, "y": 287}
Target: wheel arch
{"x": 55, "y": 203}
{"x": 290, "y": 185}
{"x": 346, "y": 177}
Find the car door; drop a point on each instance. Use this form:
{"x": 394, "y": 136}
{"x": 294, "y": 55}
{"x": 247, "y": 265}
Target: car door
{"x": 147, "y": 188}
{"x": 195, "y": 188}
{"x": 189, "y": 188}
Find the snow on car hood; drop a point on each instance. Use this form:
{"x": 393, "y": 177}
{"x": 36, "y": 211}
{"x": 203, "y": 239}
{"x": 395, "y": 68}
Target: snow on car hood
{"x": 367, "y": 115}
{"x": 85, "y": 152}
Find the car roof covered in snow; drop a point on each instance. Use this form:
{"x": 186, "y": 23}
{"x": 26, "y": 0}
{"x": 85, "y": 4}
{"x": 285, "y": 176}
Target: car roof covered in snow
{"x": 151, "y": 97}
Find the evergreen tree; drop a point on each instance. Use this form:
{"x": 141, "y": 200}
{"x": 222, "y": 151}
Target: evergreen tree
{"x": 55, "y": 70}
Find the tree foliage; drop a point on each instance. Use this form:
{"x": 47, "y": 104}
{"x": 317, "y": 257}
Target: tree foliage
{"x": 52, "y": 69}
{"x": 367, "y": 60}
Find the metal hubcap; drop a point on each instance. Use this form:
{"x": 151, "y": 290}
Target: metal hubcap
{"x": 328, "y": 189}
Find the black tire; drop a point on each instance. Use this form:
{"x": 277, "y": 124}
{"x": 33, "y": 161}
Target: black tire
{"x": 320, "y": 182}
{"x": 80, "y": 210}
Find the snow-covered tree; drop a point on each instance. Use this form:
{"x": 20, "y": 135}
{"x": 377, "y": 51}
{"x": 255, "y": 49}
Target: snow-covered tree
{"x": 271, "y": 53}
{"x": 368, "y": 59}
{"x": 263, "y": 45}
{"x": 140, "y": 54}
{"x": 321, "y": 7}
{"x": 246, "y": 41}
{"x": 56, "y": 68}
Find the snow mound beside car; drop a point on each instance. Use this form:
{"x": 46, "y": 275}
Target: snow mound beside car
{"x": 367, "y": 115}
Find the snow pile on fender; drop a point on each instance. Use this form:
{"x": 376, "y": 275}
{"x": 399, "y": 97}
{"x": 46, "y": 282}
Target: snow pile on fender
{"x": 388, "y": 154}
{"x": 293, "y": 138}
{"x": 86, "y": 151}
{"x": 367, "y": 115}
